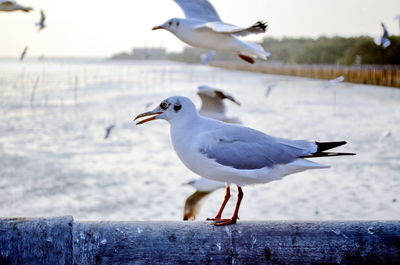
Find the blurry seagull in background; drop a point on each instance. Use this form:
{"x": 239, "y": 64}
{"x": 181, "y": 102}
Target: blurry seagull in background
{"x": 9, "y": 6}
{"x": 204, "y": 187}
{"x": 207, "y": 57}
{"x": 203, "y": 28}
{"x": 41, "y": 24}
{"x": 108, "y": 131}
{"x": 213, "y": 107}
{"x": 385, "y": 42}
{"x": 335, "y": 81}
{"x": 212, "y": 104}
{"x": 23, "y": 54}
{"x": 233, "y": 153}
{"x": 397, "y": 17}
{"x": 269, "y": 89}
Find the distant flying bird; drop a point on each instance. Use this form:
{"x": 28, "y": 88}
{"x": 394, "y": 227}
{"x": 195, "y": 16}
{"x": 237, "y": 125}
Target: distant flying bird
{"x": 204, "y": 187}
{"x": 41, "y": 24}
{"x": 233, "y": 153}
{"x": 206, "y": 58}
{"x": 385, "y": 42}
{"x": 335, "y": 81}
{"x": 9, "y": 6}
{"x": 108, "y": 131}
{"x": 213, "y": 107}
{"x": 203, "y": 28}
{"x": 397, "y": 17}
{"x": 269, "y": 89}
{"x": 21, "y": 58}
{"x": 212, "y": 104}
{"x": 384, "y": 135}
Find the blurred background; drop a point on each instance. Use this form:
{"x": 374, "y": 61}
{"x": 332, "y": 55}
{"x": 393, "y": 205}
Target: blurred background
{"x": 69, "y": 92}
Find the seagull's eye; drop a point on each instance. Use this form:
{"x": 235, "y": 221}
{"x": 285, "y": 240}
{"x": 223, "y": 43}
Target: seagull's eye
{"x": 170, "y": 23}
{"x": 164, "y": 105}
{"x": 177, "y": 107}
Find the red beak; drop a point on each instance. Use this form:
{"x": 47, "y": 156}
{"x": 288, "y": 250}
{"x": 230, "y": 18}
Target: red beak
{"x": 157, "y": 27}
{"x": 149, "y": 113}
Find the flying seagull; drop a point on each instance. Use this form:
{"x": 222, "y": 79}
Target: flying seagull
{"x": 212, "y": 106}
{"x": 9, "y": 6}
{"x": 203, "y": 28}
{"x": 385, "y": 42}
{"x": 206, "y": 58}
{"x": 23, "y": 54}
{"x": 233, "y": 153}
{"x": 41, "y": 24}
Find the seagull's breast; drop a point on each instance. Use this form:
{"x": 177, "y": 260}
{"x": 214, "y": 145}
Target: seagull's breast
{"x": 207, "y": 39}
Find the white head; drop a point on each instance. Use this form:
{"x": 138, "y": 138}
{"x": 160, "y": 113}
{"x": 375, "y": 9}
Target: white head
{"x": 173, "y": 25}
{"x": 170, "y": 109}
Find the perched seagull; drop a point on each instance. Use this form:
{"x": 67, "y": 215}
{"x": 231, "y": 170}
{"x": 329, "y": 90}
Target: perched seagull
{"x": 232, "y": 153}
{"x": 212, "y": 107}
{"x": 22, "y": 56}
{"x": 212, "y": 104}
{"x": 204, "y": 187}
{"x": 203, "y": 28}
{"x": 41, "y": 24}
{"x": 385, "y": 42}
{"x": 9, "y": 6}
{"x": 207, "y": 57}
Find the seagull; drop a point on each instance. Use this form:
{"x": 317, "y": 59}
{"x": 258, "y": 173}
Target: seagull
{"x": 269, "y": 89}
{"x": 108, "y": 131}
{"x": 385, "y": 42}
{"x": 22, "y": 56}
{"x": 204, "y": 187}
{"x": 9, "y": 6}
{"x": 397, "y": 17}
{"x": 335, "y": 81}
{"x": 212, "y": 107}
{"x": 203, "y": 28}
{"x": 232, "y": 153}
{"x": 207, "y": 57}
{"x": 212, "y": 104}
{"x": 41, "y": 24}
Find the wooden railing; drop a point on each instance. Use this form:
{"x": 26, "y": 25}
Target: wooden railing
{"x": 363, "y": 74}
{"x": 62, "y": 241}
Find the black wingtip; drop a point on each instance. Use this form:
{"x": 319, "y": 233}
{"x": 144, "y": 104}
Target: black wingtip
{"x": 328, "y": 145}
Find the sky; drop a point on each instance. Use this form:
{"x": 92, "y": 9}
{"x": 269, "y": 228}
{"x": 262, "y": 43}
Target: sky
{"x": 100, "y": 28}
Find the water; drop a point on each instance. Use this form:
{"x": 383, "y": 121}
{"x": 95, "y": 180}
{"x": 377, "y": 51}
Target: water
{"x": 54, "y": 159}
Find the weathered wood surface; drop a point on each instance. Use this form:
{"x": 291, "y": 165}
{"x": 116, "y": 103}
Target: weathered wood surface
{"x": 26, "y": 241}
{"x": 361, "y": 74}
{"x": 61, "y": 241}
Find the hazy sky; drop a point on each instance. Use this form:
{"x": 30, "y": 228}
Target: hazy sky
{"x": 104, "y": 27}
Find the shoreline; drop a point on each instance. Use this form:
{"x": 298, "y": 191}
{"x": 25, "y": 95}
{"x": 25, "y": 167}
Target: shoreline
{"x": 368, "y": 74}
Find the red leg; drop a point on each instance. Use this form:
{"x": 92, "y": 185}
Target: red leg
{"x": 227, "y": 197}
{"x": 235, "y": 213}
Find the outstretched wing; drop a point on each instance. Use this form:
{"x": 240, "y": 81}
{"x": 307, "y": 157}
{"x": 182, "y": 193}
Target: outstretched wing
{"x": 218, "y": 26}
{"x": 198, "y": 9}
{"x": 246, "y": 148}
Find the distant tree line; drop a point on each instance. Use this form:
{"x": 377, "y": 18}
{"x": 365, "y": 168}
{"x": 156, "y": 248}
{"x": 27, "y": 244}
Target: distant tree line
{"x": 335, "y": 50}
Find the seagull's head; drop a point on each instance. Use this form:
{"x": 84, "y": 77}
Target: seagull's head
{"x": 171, "y": 25}
{"x": 170, "y": 109}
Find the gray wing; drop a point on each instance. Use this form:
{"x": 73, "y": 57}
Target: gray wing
{"x": 221, "y": 27}
{"x": 198, "y": 9}
{"x": 245, "y": 148}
